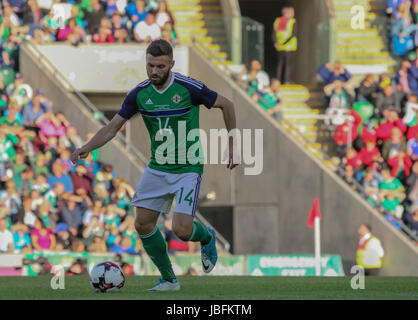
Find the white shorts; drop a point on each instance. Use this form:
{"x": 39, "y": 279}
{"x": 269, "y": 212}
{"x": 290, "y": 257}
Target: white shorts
{"x": 156, "y": 191}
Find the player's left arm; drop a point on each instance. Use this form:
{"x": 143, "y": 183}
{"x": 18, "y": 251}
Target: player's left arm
{"x": 228, "y": 112}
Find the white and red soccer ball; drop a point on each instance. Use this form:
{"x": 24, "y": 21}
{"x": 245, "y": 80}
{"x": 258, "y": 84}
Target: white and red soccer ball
{"x": 107, "y": 277}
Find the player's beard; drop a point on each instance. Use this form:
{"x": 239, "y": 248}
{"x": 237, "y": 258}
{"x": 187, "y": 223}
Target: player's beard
{"x": 162, "y": 80}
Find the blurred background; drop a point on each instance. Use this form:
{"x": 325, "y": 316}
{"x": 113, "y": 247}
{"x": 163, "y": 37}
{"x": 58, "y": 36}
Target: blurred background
{"x": 332, "y": 83}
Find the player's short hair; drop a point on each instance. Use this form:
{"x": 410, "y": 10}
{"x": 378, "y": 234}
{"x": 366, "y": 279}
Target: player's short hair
{"x": 159, "y": 48}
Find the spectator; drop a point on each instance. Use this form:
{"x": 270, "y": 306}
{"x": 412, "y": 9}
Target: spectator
{"x": 124, "y": 247}
{"x": 29, "y": 216}
{"x": 10, "y": 199}
{"x": 6, "y": 238}
{"x": 271, "y": 100}
{"x": 392, "y": 192}
{"x": 64, "y": 238}
{"x": 103, "y": 35}
{"x": 147, "y": 31}
{"x": 384, "y": 130}
{"x": 119, "y": 30}
{"x": 72, "y": 211}
{"x": 343, "y": 135}
{"x": 113, "y": 215}
{"x": 286, "y": 42}
{"x": 106, "y": 176}
{"x": 100, "y": 193}
{"x": 405, "y": 81}
{"x": 330, "y": 72}
{"x": 368, "y": 89}
{"x": 353, "y": 158}
{"x": 71, "y": 139}
{"x": 403, "y": 26}
{"x": 349, "y": 176}
{"x": 65, "y": 161}
{"x": 37, "y": 107}
{"x": 77, "y": 268}
{"x": 369, "y": 251}
{"x": 412, "y": 219}
{"x": 81, "y": 179}
{"x": 339, "y": 99}
{"x": 9, "y": 122}
{"x": 43, "y": 239}
{"x": 71, "y": 33}
{"x": 370, "y": 153}
{"x": 387, "y": 98}
{"x": 122, "y": 194}
{"x": 54, "y": 195}
{"x": 371, "y": 186}
{"x": 412, "y": 148}
{"x": 96, "y": 210}
{"x": 58, "y": 175}
{"x": 40, "y": 166}
{"x": 52, "y": 125}
{"x": 27, "y": 180}
{"x": 411, "y": 108}
{"x": 92, "y": 230}
{"x": 18, "y": 166}
{"x": 168, "y": 34}
{"x": 136, "y": 12}
{"x": 7, "y": 151}
{"x": 395, "y": 145}
{"x": 94, "y": 17}
{"x": 98, "y": 245}
{"x": 31, "y": 14}
{"x": 21, "y": 238}
{"x": 163, "y": 15}
{"x": 257, "y": 79}
{"x": 41, "y": 183}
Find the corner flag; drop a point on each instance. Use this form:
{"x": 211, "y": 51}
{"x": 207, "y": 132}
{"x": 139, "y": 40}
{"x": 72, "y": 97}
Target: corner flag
{"x": 315, "y": 212}
{"x": 314, "y": 220}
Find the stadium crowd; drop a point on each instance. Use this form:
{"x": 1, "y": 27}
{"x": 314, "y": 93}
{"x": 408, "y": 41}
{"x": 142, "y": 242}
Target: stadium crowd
{"x": 46, "y": 203}
{"x": 84, "y": 21}
{"x": 378, "y": 143}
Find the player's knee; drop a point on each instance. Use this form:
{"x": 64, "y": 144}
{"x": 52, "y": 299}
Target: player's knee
{"x": 182, "y": 233}
{"x": 143, "y": 228}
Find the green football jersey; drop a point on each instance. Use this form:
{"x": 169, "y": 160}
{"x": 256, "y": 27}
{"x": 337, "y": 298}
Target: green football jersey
{"x": 172, "y": 119}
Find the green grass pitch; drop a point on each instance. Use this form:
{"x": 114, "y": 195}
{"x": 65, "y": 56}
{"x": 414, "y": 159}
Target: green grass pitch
{"x": 217, "y": 288}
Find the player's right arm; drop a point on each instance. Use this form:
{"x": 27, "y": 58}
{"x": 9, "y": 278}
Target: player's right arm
{"x": 101, "y": 137}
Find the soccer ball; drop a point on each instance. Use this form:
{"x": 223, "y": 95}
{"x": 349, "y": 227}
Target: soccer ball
{"x": 107, "y": 277}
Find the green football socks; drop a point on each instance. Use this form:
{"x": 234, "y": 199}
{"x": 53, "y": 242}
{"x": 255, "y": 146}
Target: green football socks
{"x": 200, "y": 233}
{"x": 156, "y": 247}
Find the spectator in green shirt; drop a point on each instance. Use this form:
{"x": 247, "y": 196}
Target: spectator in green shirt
{"x": 270, "y": 101}
{"x": 391, "y": 190}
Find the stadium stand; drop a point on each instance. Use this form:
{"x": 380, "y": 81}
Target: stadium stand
{"x": 374, "y": 150}
{"x": 47, "y": 204}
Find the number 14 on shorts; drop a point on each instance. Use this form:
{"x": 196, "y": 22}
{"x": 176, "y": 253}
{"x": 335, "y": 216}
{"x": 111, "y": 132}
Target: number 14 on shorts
{"x": 187, "y": 198}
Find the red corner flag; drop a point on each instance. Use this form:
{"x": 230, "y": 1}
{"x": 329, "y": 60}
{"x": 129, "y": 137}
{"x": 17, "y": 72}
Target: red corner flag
{"x": 315, "y": 212}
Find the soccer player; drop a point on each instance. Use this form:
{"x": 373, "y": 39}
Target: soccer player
{"x": 169, "y": 103}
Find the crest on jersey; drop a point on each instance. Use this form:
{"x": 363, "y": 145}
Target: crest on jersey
{"x": 176, "y": 98}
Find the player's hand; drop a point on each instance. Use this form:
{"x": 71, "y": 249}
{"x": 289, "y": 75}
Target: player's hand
{"x": 232, "y": 153}
{"x": 78, "y": 153}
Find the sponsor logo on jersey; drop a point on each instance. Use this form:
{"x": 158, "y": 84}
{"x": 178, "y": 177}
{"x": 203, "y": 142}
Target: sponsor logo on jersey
{"x": 176, "y": 98}
{"x": 149, "y": 101}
